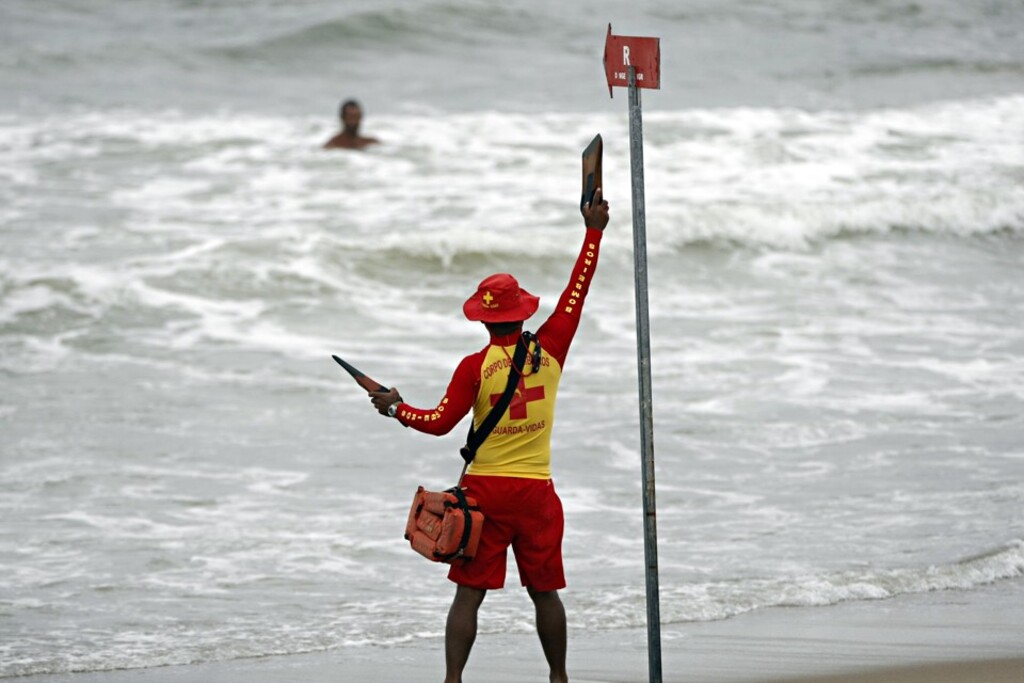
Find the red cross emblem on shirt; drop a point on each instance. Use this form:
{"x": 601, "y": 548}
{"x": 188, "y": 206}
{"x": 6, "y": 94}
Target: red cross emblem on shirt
{"x": 517, "y": 408}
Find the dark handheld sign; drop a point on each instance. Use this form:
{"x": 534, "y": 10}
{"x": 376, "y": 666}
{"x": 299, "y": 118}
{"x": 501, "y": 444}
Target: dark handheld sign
{"x": 622, "y": 52}
{"x": 364, "y": 381}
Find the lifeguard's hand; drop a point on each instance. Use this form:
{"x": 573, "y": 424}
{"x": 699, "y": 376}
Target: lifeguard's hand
{"x": 595, "y": 213}
{"x": 382, "y": 399}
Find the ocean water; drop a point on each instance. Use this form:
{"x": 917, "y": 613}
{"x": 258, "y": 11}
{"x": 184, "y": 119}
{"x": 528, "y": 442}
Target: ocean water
{"x": 835, "y": 205}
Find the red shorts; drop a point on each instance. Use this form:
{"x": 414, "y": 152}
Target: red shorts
{"x": 523, "y": 513}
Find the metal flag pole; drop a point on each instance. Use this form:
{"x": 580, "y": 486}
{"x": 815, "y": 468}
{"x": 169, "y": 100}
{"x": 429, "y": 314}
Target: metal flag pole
{"x": 643, "y": 329}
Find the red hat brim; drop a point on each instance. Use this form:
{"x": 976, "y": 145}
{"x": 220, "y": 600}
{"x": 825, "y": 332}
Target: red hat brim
{"x": 510, "y": 306}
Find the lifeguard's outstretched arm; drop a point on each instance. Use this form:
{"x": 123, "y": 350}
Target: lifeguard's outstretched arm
{"x": 557, "y": 332}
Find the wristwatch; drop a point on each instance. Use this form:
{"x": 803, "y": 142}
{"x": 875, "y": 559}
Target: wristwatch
{"x": 393, "y": 409}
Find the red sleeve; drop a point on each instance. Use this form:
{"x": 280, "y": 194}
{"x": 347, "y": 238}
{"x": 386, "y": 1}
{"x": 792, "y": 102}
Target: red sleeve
{"x": 454, "y": 405}
{"x": 557, "y": 332}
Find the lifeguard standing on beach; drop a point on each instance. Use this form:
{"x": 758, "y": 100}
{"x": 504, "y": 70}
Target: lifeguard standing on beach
{"x": 511, "y": 475}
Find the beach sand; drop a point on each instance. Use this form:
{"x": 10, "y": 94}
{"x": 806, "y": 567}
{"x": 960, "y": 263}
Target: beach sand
{"x": 941, "y": 637}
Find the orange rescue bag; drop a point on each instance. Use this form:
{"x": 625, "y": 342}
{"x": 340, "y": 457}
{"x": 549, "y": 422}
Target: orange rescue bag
{"x": 444, "y": 526}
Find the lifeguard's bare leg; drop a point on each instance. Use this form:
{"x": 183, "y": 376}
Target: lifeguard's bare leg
{"x": 552, "y": 631}
{"x": 460, "y": 631}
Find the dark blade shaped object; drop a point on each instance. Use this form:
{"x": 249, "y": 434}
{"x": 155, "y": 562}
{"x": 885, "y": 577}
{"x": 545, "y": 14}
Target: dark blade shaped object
{"x": 364, "y": 381}
{"x": 591, "y": 170}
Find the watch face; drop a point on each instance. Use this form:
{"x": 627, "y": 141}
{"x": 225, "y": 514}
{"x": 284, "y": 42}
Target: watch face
{"x": 393, "y": 409}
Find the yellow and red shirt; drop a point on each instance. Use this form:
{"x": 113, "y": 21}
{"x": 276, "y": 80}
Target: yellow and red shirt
{"x": 520, "y": 445}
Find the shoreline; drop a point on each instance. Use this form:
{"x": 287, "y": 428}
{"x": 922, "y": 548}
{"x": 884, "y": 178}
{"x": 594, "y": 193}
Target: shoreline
{"x": 944, "y": 637}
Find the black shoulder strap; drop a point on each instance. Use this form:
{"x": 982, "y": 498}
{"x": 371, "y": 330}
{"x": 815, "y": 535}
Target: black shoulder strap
{"x": 477, "y": 437}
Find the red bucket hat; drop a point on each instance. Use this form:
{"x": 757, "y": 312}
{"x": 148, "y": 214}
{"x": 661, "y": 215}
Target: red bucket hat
{"x": 500, "y": 299}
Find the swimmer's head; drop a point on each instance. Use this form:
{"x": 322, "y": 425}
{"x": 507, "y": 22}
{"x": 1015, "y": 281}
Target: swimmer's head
{"x": 350, "y": 114}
